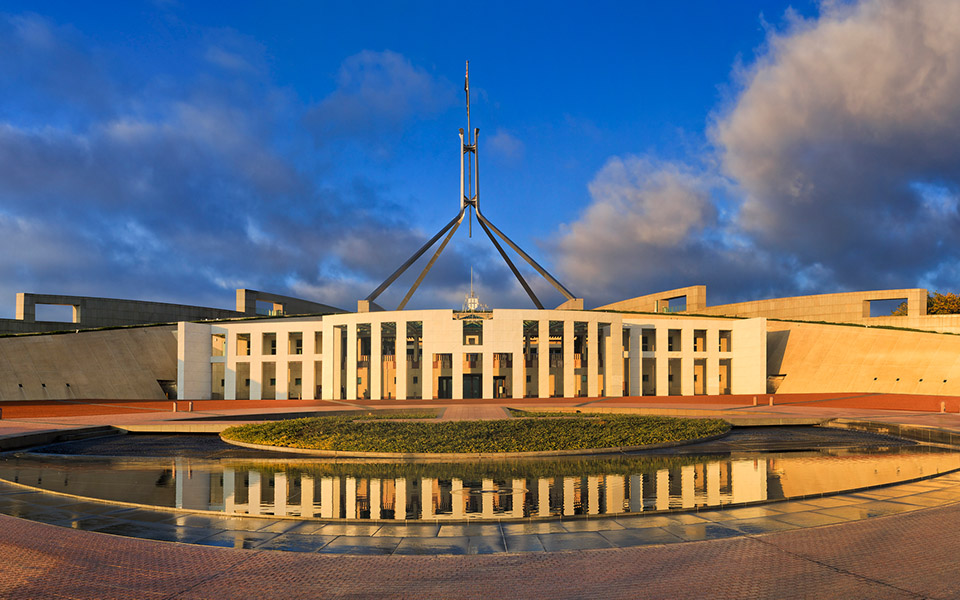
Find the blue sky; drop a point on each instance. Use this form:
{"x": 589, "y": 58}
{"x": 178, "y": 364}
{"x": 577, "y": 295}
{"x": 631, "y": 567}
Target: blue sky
{"x": 176, "y": 151}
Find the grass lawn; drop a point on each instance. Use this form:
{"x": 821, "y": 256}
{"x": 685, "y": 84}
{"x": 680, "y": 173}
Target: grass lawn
{"x": 360, "y": 433}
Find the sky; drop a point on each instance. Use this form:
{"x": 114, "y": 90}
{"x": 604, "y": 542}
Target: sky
{"x": 176, "y": 151}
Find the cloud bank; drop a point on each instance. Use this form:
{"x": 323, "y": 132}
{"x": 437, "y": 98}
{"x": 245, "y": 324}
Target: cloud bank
{"x": 183, "y": 188}
{"x": 841, "y": 164}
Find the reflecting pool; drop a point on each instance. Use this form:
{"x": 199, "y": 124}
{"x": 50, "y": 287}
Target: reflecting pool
{"x": 492, "y": 490}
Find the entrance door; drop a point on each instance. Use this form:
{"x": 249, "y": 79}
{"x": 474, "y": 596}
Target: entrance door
{"x": 445, "y": 387}
{"x": 472, "y": 386}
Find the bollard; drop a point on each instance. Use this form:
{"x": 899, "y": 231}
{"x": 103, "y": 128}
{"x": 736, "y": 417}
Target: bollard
{"x": 943, "y": 407}
{"x": 754, "y": 400}
{"x": 771, "y": 400}
{"x": 174, "y": 407}
{"x": 1, "y": 413}
{"x": 190, "y": 407}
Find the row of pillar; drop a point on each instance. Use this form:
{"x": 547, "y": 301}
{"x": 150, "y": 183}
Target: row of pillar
{"x": 620, "y": 494}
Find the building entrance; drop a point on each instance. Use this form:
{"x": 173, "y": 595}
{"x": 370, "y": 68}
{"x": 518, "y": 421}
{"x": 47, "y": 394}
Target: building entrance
{"x": 445, "y": 387}
{"x": 472, "y": 386}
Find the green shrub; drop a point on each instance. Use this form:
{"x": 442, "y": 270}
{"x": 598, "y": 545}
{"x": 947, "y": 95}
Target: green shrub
{"x": 359, "y": 434}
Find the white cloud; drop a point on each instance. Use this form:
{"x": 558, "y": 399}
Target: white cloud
{"x": 506, "y": 147}
{"x": 835, "y": 126}
{"x": 378, "y": 92}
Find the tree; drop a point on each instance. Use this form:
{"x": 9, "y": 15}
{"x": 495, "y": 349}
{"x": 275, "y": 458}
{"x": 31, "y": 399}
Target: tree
{"x": 937, "y": 304}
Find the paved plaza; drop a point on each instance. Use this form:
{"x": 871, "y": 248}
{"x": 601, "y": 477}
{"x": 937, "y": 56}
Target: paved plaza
{"x": 893, "y": 542}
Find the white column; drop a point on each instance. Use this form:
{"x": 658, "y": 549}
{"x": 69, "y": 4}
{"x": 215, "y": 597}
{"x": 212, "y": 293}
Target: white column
{"x": 636, "y": 362}
{"x": 543, "y": 497}
{"x": 351, "y": 500}
{"x": 519, "y": 494}
{"x": 663, "y": 489}
{"x": 326, "y": 498}
{"x": 713, "y": 361}
{"x": 543, "y": 359}
{"x": 568, "y": 492}
{"x": 351, "y": 375}
{"x": 256, "y": 365}
{"x": 713, "y": 484}
{"x": 487, "y": 376}
{"x": 613, "y": 369}
{"x": 279, "y": 494}
{"x": 426, "y": 499}
{"x": 458, "y": 502}
{"x": 519, "y": 365}
{"x": 254, "y": 493}
{"x": 426, "y": 369}
{"x": 593, "y": 495}
{"x": 230, "y": 367}
{"x": 593, "y": 360}
{"x": 376, "y": 361}
{"x": 615, "y": 494}
{"x": 282, "y": 364}
{"x": 569, "y": 388}
{"x": 375, "y": 501}
{"x": 686, "y": 364}
{"x": 457, "y": 373}
{"x": 486, "y": 499}
{"x": 400, "y": 502}
{"x": 229, "y": 491}
{"x": 400, "y": 351}
{"x": 662, "y": 358}
{"x": 306, "y": 496}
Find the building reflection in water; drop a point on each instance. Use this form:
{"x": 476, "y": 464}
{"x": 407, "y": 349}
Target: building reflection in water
{"x": 258, "y": 492}
{"x": 465, "y": 491}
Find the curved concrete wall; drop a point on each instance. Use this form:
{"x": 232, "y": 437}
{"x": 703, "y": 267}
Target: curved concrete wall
{"x": 818, "y": 358}
{"x": 113, "y": 364}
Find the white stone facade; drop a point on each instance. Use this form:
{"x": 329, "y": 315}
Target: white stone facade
{"x": 448, "y": 354}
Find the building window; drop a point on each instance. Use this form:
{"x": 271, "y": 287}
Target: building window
{"x": 295, "y": 343}
{"x": 219, "y": 344}
{"x": 726, "y": 340}
{"x": 673, "y": 340}
{"x": 472, "y": 332}
{"x": 269, "y": 343}
{"x": 243, "y": 344}
{"x": 273, "y": 381}
{"x": 415, "y": 379}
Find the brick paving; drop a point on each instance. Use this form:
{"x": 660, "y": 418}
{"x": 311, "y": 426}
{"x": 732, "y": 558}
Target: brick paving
{"x": 907, "y": 555}
{"x": 904, "y": 556}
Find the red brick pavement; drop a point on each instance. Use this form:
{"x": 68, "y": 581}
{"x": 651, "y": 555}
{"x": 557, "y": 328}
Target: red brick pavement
{"x": 74, "y": 408}
{"x": 904, "y": 556}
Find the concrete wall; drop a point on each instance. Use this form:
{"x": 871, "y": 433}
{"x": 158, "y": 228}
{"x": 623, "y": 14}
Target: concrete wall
{"x": 281, "y": 305}
{"x": 696, "y": 296}
{"x": 849, "y": 307}
{"x": 91, "y": 313}
{"x": 819, "y": 358}
{"x": 193, "y": 360}
{"x": 115, "y": 364}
